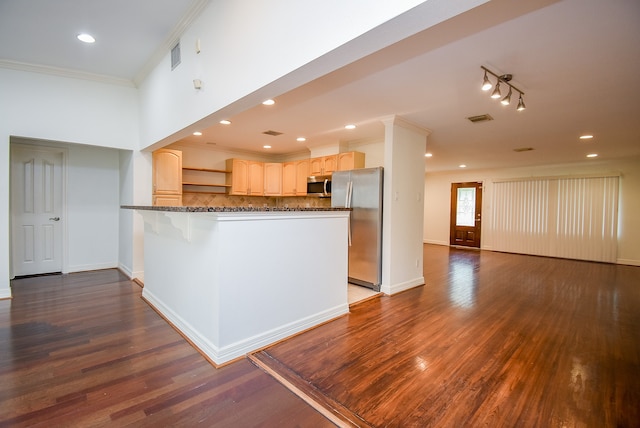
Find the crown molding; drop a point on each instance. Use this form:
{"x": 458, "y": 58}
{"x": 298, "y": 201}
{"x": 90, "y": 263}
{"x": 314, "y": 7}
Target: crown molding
{"x": 64, "y": 72}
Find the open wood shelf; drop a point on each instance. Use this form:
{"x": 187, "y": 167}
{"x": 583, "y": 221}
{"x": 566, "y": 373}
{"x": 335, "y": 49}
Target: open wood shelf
{"x": 206, "y": 170}
{"x": 189, "y": 183}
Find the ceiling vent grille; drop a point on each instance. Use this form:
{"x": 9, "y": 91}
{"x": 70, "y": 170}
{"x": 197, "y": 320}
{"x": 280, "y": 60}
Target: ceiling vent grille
{"x": 175, "y": 55}
{"x": 481, "y": 118}
{"x": 272, "y": 133}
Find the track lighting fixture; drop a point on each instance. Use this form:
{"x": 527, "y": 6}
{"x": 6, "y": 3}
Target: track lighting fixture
{"x": 521, "y": 105}
{"x": 486, "y": 85}
{"x": 505, "y": 79}
{"x": 507, "y": 100}
{"x": 496, "y": 92}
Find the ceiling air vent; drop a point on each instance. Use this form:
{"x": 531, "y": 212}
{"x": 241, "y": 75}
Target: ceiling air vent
{"x": 481, "y": 118}
{"x": 272, "y": 133}
{"x": 175, "y": 55}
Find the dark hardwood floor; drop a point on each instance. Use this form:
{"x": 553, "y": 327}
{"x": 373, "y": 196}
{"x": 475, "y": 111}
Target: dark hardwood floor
{"x": 493, "y": 339}
{"x": 497, "y": 340}
{"x": 85, "y": 350}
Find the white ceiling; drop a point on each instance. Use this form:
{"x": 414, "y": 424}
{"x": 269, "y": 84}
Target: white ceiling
{"x": 578, "y": 62}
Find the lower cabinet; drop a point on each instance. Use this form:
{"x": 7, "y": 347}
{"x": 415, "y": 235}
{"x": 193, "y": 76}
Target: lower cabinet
{"x": 167, "y": 200}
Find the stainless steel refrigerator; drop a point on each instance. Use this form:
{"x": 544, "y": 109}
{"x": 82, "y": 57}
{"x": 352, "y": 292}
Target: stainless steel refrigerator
{"x": 361, "y": 190}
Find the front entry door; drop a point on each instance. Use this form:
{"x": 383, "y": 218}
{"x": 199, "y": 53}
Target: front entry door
{"x": 36, "y": 209}
{"x": 466, "y": 212}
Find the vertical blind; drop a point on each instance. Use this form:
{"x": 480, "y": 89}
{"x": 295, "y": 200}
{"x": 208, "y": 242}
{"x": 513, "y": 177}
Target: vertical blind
{"x": 573, "y": 218}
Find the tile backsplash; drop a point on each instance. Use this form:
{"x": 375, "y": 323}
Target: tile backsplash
{"x": 216, "y": 200}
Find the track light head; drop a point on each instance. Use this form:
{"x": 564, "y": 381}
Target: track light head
{"x": 507, "y": 100}
{"x": 504, "y": 79}
{"x": 486, "y": 84}
{"x": 496, "y": 92}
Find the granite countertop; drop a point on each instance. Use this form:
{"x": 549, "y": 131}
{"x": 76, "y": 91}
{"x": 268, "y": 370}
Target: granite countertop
{"x": 228, "y": 209}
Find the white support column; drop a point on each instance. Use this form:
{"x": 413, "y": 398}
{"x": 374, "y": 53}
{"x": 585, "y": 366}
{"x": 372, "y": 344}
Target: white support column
{"x": 403, "y": 211}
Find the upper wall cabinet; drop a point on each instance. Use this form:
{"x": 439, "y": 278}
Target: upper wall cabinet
{"x": 246, "y": 177}
{"x": 324, "y": 165}
{"x": 273, "y": 179}
{"x": 167, "y": 177}
{"x": 294, "y": 178}
{"x": 350, "y": 160}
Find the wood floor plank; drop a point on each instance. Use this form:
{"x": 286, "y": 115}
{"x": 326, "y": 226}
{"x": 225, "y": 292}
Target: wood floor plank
{"x": 491, "y": 339}
{"x": 84, "y": 350}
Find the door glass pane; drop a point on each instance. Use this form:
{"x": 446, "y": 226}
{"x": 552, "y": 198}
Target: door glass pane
{"x": 466, "y": 206}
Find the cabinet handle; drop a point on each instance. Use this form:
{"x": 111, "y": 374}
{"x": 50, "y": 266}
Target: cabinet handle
{"x": 54, "y": 218}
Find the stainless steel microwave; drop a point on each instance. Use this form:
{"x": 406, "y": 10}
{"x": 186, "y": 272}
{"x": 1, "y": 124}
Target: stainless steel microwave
{"x": 319, "y": 185}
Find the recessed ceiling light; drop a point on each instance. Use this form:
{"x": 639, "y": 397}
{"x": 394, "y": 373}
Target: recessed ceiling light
{"x": 428, "y": 155}
{"x": 462, "y": 166}
{"x": 225, "y": 122}
{"x": 86, "y": 38}
{"x": 266, "y": 147}
{"x": 586, "y": 137}
{"x": 197, "y": 133}
{"x": 268, "y": 102}
{"x": 350, "y": 127}
{"x": 592, "y": 155}
{"x": 301, "y": 139}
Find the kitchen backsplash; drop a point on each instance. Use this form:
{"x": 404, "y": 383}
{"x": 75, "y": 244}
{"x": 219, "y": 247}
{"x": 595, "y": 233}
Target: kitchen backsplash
{"x": 209, "y": 200}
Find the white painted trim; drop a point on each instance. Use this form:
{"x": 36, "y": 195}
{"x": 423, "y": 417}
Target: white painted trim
{"x": 629, "y": 262}
{"x": 435, "y": 242}
{"x": 397, "y": 288}
{"x": 243, "y": 347}
{"x": 5, "y": 293}
{"x": 125, "y": 270}
{"x": 64, "y": 72}
{"x": 92, "y": 266}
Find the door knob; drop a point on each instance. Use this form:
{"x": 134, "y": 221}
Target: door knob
{"x": 54, "y": 218}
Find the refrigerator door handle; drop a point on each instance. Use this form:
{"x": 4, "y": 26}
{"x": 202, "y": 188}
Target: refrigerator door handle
{"x": 348, "y": 205}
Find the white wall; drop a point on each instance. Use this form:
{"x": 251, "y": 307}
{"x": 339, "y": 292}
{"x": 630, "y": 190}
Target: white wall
{"x": 438, "y": 200}
{"x": 41, "y": 106}
{"x": 251, "y": 51}
{"x": 93, "y": 206}
{"x": 402, "y": 218}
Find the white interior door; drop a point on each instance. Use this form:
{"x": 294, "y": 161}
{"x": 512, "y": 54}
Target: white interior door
{"x": 36, "y": 209}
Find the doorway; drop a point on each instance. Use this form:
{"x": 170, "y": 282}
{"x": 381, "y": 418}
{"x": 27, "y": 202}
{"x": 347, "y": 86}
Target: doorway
{"x": 466, "y": 214}
{"x": 36, "y": 210}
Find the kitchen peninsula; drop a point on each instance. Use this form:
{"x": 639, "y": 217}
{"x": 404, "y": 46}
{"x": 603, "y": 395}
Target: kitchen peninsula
{"x": 235, "y": 279}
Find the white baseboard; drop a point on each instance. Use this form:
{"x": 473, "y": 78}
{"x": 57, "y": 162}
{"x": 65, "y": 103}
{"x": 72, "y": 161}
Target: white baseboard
{"x": 5, "y": 293}
{"x": 223, "y": 354}
{"x": 433, "y": 241}
{"x": 87, "y": 267}
{"x": 397, "y": 288}
{"x": 125, "y": 270}
{"x": 629, "y": 262}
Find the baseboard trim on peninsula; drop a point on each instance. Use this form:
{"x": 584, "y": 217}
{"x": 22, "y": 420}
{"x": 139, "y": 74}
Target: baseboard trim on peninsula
{"x": 397, "y": 288}
{"x": 221, "y": 355}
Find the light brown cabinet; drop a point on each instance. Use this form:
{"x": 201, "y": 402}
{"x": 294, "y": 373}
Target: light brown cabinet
{"x": 167, "y": 177}
{"x": 273, "y": 179}
{"x": 246, "y": 177}
{"x": 350, "y": 160}
{"x": 324, "y": 165}
{"x": 294, "y": 178}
